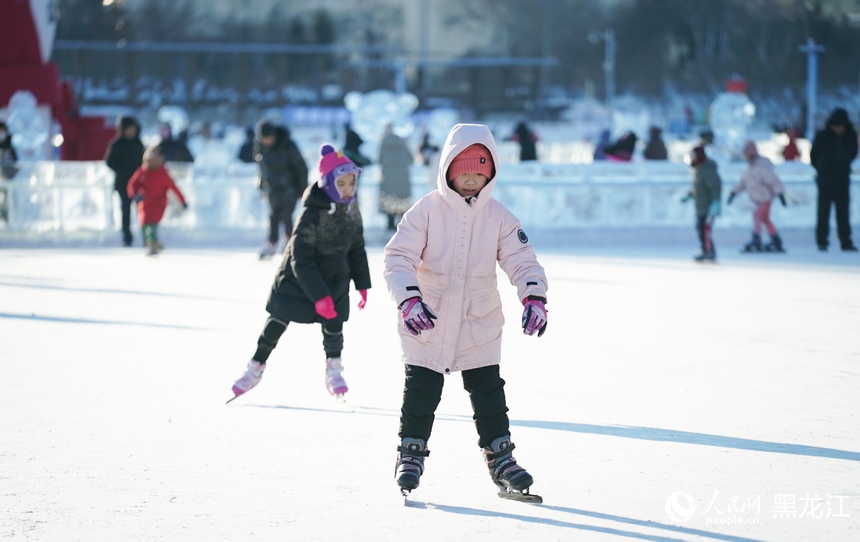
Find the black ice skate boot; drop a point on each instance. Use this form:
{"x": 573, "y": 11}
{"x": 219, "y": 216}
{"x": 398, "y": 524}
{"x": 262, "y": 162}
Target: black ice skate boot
{"x": 775, "y": 244}
{"x": 503, "y": 467}
{"x": 410, "y": 463}
{"x": 754, "y": 245}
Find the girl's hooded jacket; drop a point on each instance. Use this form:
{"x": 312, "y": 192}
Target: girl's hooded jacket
{"x": 760, "y": 181}
{"x": 445, "y": 250}
{"x": 325, "y": 252}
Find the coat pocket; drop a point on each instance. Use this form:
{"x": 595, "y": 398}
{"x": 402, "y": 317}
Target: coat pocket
{"x": 485, "y": 318}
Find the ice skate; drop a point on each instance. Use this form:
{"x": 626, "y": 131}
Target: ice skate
{"x": 334, "y": 381}
{"x": 410, "y": 464}
{"x": 151, "y": 248}
{"x": 253, "y": 375}
{"x": 754, "y": 245}
{"x": 512, "y": 480}
{"x": 706, "y": 257}
{"x": 775, "y": 244}
{"x": 268, "y": 251}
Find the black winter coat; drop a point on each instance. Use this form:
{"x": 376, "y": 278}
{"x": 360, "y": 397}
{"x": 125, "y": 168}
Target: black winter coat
{"x": 124, "y": 156}
{"x": 831, "y": 156}
{"x": 325, "y": 252}
{"x": 282, "y": 169}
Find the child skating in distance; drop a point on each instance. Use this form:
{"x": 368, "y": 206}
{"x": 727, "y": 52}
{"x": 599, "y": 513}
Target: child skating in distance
{"x": 761, "y": 183}
{"x": 325, "y": 252}
{"x": 149, "y": 186}
{"x": 706, "y": 190}
{"x": 440, "y": 269}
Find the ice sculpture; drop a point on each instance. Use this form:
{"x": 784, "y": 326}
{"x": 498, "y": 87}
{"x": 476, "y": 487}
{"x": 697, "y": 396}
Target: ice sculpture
{"x": 731, "y": 113}
{"x": 371, "y": 112}
{"x": 439, "y": 123}
{"x": 29, "y": 126}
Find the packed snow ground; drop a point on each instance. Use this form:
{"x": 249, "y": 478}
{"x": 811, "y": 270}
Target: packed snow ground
{"x": 667, "y": 401}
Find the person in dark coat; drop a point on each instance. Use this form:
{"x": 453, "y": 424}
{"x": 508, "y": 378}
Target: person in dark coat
{"x": 622, "y": 150}
{"x": 527, "y": 140}
{"x": 283, "y": 178}
{"x": 706, "y": 191}
{"x": 833, "y": 150}
{"x": 173, "y": 149}
{"x": 352, "y": 146}
{"x": 655, "y": 149}
{"x": 124, "y": 156}
{"x": 246, "y": 151}
{"x": 324, "y": 254}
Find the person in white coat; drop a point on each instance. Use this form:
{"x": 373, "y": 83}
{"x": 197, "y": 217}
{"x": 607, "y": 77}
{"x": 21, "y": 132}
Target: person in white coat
{"x": 760, "y": 181}
{"x": 440, "y": 269}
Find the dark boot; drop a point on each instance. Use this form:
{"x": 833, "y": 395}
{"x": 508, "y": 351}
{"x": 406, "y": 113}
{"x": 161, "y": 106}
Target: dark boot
{"x": 754, "y": 245}
{"x": 410, "y": 462}
{"x": 775, "y": 244}
{"x": 503, "y": 467}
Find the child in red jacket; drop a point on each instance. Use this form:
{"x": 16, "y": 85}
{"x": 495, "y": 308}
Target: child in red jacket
{"x": 148, "y": 187}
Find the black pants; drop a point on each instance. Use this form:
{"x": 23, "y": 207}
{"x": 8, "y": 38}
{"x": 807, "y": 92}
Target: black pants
{"x": 703, "y": 228}
{"x": 423, "y": 391}
{"x": 281, "y": 213}
{"x": 125, "y": 202}
{"x": 332, "y": 338}
{"x": 839, "y": 197}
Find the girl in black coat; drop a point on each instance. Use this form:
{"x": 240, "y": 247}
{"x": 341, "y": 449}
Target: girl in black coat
{"x": 324, "y": 253}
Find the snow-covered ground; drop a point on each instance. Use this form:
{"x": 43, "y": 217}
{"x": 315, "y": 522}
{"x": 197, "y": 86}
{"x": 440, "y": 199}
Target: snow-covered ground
{"x": 667, "y": 401}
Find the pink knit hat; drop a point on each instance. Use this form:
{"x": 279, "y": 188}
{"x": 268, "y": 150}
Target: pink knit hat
{"x": 332, "y": 165}
{"x": 474, "y": 159}
{"x": 750, "y": 150}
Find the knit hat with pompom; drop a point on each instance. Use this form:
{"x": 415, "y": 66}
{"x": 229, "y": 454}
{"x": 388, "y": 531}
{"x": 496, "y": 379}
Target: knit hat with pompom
{"x": 332, "y": 165}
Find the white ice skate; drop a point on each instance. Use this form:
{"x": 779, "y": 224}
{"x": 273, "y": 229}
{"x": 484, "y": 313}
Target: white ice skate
{"x": 253, "y": 375}
{"x": 334, "y": 381}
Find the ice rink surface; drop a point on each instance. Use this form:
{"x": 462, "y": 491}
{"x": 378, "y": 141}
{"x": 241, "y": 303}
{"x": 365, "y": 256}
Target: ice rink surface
{"x": 667, "y": 401}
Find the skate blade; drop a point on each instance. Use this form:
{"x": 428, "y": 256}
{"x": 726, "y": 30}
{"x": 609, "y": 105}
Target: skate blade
{"x": 520, "y": 496}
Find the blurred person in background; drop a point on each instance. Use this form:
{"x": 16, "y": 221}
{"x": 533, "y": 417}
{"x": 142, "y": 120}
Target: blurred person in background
{"x": 283, "y": 179}
{"x": 622, "y": 150}
{"x": 706, "y": 191}
{"x": 173, "y": 149}
{"x": 246, "y": 151}
{"x": 656, "y": 148}
{"x": 395, "y": 185}
{"x": 527, "y": 140}
{"x": 149, "y": 187}
{"x": 124, "y": 156}
{"x": 760, "y": 181}
{"x": 790, "y": 152}
{"x": 833, "y": 150}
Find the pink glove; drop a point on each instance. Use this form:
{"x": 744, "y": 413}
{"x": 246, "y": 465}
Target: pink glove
{"x": 363, "y": 302}
{"x": 534, "y": 315}
{"x": 417, "y": 316}
{"x": 325, "y": 308}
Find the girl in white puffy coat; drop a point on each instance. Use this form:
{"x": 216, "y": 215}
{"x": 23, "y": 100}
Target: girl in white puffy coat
{"x": 762, "y": 184}
{"x": 440, "y": 269}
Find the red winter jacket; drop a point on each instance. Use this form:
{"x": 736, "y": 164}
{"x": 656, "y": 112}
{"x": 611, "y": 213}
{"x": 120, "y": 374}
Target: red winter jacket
{"x": 152, "y": 186}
